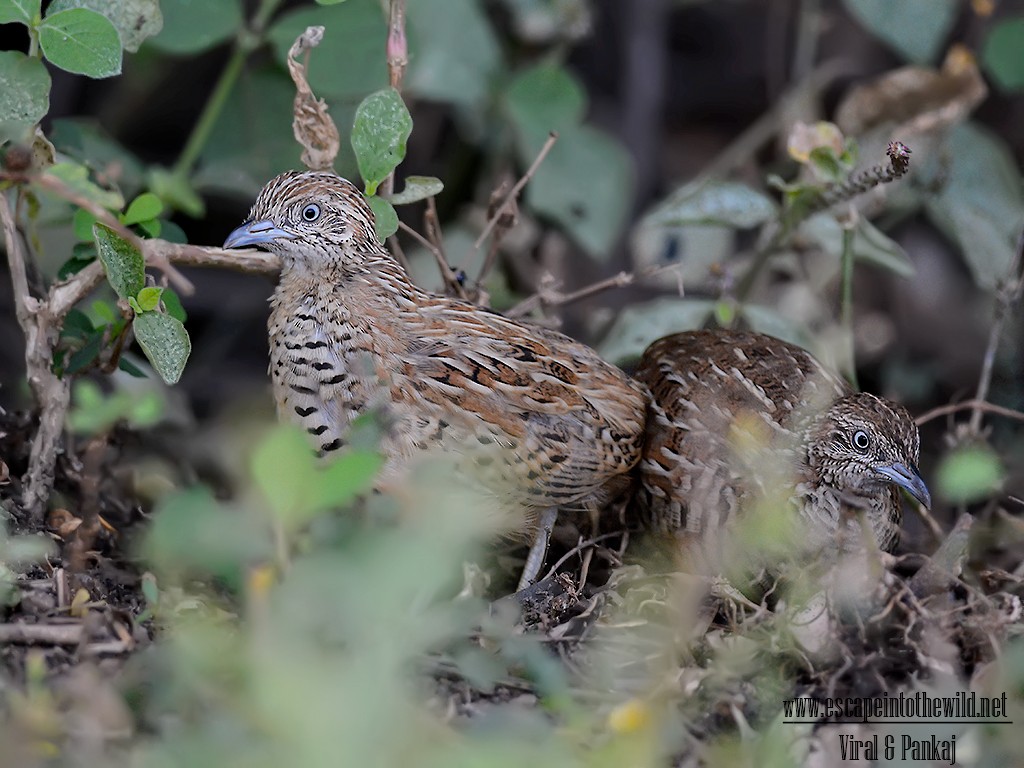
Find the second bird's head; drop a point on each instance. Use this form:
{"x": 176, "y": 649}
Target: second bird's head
{"x": 311, "y": 217}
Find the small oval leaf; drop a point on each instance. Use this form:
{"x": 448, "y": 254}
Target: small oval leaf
{"x": 385, "y": 218}
{"x": 122, "y": 261}
{"x": 143, "y": 208}
{"x": 417, "y": 188}
{"x": 81, "y": 41}
{"x": 165, "y": 342}
{"x": 149, "y": 298}
{"x": 381, "y": 128}
{"x": 24, "y": 89}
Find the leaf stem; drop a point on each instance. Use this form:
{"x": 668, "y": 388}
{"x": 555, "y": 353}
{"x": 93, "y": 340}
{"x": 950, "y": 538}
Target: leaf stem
{"x": 248, "y": 39}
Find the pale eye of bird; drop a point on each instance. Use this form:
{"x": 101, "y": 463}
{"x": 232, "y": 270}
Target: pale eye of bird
{"x": 860, "y": 440}
{"x": 311, "y": 212}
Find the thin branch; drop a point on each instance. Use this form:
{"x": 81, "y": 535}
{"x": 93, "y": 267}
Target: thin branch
{"x": 514, "y": 193}
{"x": 24, "y": 304}
{"x": 452, "y": 285}
{"x": 397, "y": 57}
{"x": 980, "y": 406}
{"x": 552, "y": 298}
{"x": 1007, "y": 296}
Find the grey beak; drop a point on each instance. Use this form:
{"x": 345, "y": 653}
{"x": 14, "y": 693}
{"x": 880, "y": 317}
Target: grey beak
{"x": 907, "y": 478}
{"x": 256, "y": 233}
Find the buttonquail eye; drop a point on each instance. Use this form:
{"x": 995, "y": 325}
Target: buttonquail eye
{"x": 860, "y": 440}
{"x": 311, "y": 212}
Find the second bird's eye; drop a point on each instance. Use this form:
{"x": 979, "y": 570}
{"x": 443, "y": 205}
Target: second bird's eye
{"x": 311, "y": 212}
{"x": 860, "y": 440}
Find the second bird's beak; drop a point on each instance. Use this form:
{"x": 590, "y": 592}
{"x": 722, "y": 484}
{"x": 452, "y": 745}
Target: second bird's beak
{"x": 256, "y": 233}
{"x": 907, "y": 478}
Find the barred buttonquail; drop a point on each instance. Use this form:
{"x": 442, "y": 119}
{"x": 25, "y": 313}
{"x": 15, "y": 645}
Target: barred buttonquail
{"x": 734, "y": 412}
{"x": 349, "y": 331}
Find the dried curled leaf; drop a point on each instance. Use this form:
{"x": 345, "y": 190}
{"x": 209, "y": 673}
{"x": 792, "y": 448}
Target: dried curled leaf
{"x": 313, "y": 127}
{"x": 915, "y": 100}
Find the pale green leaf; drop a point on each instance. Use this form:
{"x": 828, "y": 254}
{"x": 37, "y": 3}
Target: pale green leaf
{"x": 149, "y": 298}
{"x": 728, "y": 203}
{"x": 143, "y": 208}
{"x": 165, "y": 342}
{"x": 24, "y": 89}
{"x": 135, "y": 20}
{"x": 22, "y": 11}
{"x": 122, "y": 261}
{"x": 638, "y": 325}
{"x": 381, "y": 129}
{"x": 176, "y": 191}
{"x": 417, "y": 188}
{"x": 916, "y": 29}
{"x": 385, "y": 218}
{"x": 191, "y": 26}
{"x": 970, "y": 473}
{"x": 81, "y": 41}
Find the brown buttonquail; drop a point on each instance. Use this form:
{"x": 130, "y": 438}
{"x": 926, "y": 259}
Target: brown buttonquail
{"x": 717, "y": 393}
{"x": 349, "y": 331}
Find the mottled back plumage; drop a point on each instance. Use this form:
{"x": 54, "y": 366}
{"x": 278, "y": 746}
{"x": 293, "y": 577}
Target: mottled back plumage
{"x": 540, "y": 418}
{"x": 734, "y": 415}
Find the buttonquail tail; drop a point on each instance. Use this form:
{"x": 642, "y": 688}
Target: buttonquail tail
{"x": 717, "y": 393}
{"x": 540, "y": 419}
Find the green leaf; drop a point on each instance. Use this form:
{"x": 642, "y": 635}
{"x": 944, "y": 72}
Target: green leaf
{"x": 22, "y": 11}
{"x": 381, "y": 128}
{"x": 81, "y": 41}
{"x": 191, "y": 530}
{"x": 135, "y": 20}
{"x": 980, "y": 206}
{"x": 122, "y": 261}
{"x": 173, "y": 305}
{"x": 585, "y": 185}
{"x": 82, "y": 223}
{"x": 24, "y": 89}
{"x": 453, "y": 53}
{"x": 385, "y": 218}
{"x": 916, "y": 29}
{"x": 728, "y": 203}
{"x": 134, "y": 304}
{"x": 86, "y": 354}
{"x": 165, "y": 342}
{"x": 970, "y": 473}
{"x": 870, "y": 244}
{"x": 297, "y": 488}
{"x": 149, "y": 298}
{"x": 542, "y": 99}
{"x": 144, "y": 207}
{"x": 76, "y": 178}
{"x": 176, "y": 191}
{"x": 329, "y": 2}
{"x": 130, "y": 368}
{"x": 103, "y": 311}
{"x": 638, "y": 325}
{"x": 77, "y": 324}
{"x": 349, "y": 62}
{"x": 192, "y": 26}
{"x": 417, "y": 188}
{"x": 1002, "y": 53}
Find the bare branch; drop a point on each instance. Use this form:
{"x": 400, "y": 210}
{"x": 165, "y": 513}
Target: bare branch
{"x": 452, "y": 285}
{"x": 514, "y": 193}
{"x": 1006, "y": 297}
{"x": 978, "y": 406}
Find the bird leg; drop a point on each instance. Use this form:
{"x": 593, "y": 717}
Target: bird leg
{"x": 539, "y": 549}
